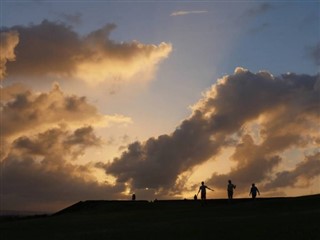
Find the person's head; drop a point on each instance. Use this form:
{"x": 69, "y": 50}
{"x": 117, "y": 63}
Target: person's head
{"x": 202, "y": 183}
{"x": 252, "y": 184}
{"x": 229, "y": 181}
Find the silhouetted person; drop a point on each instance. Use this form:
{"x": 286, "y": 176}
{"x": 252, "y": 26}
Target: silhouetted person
{"x": 253, "y": 191}
{"x": 230, "y": 188}
{"x": 133, "y": 197}
{"x": 195, "y": 197}
{"x": 203, "y": 188}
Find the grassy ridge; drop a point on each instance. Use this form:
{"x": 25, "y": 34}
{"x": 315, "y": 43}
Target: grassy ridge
{"x": 277, "y": 218}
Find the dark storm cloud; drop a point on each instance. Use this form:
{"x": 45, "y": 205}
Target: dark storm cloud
{"x": 284, "y": 106}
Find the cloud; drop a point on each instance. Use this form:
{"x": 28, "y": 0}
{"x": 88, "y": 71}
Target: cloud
{"x": 9, "y": 92}
{"x": 74, "y": 19}
{"x": 9, "y": 41}
{"x": 255, "y": 11}
{"x": 314, "y": 53}
{"x": 157, "y": 162}
{"x": 41, "y": 172}
{"x": 43, "y": 136}
{"x": 25, "y": 112}
{"x": 56, "y": 143}
{"x": 282, "y": 107}
{"x": 181, "y": 13}
{"x": 115, "y": 119}
{"x": 260, "y": 28}
{"x": 93, "y": 58}
{"x": 300, "y": 176}
{"x": 256, "y": 115}
{"x": 258, "y": 10}
{"x": 254, "y": 164}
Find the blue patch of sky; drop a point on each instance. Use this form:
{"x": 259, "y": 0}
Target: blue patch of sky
{"x": 281, "y": 46}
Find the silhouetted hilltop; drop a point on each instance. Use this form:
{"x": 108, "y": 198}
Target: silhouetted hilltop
{"x": 102, "y": 205}
{"x": 96, "y": 206}
{"x": 265, "y": 218}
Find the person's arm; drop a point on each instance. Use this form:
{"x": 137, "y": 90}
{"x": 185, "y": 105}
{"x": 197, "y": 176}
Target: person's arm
{"x": 258, "y": 191}
{"x": 210, "y": 189}
{"x": 250, "y": 192}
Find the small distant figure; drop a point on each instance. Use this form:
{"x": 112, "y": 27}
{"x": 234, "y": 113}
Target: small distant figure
{"x": 253, "y": 191}
{"x": 230, "y": 189}
{"x": 133, "y": 197}
{"x": 203, "y": 188}
{"x": 195, "y": 197}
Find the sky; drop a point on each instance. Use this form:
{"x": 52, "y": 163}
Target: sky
{"x": 103, "y": 99}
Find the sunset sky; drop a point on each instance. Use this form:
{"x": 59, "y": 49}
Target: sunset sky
{"x": 103, "y": 99}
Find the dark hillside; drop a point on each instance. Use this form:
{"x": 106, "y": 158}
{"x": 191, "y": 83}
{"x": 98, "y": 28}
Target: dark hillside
{"x": 265, "y": 218}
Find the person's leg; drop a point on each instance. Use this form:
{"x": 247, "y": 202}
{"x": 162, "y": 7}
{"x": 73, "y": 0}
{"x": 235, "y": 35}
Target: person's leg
{"x": 203, "y": 199}
{"x": 229, "y": 195}
{"x": 203, "y": 196}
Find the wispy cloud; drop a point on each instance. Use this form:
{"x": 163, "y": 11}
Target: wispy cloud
{"x": 259, "y": 28}
{"x": 74, "y": 19}
{"x": 313, "y": 52}
{"x": 180, "y": 13}
{"x": 257, "y": 10}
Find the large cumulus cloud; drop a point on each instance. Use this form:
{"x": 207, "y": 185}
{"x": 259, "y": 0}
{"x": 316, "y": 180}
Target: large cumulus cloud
{"x": 157, "y": 162}
{"x": 54, "y": 49}
{"x": 43, "y": 136}
{"x": 281, "y": 109}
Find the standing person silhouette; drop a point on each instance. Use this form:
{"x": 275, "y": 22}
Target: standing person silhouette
{"x": 253, "y": 191}
{"x": 230, "y": 188}
{"x": 203, "y": 188}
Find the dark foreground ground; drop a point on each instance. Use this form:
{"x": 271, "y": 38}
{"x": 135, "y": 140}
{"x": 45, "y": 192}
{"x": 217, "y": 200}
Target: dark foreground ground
{"x": 273, "y": 218}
